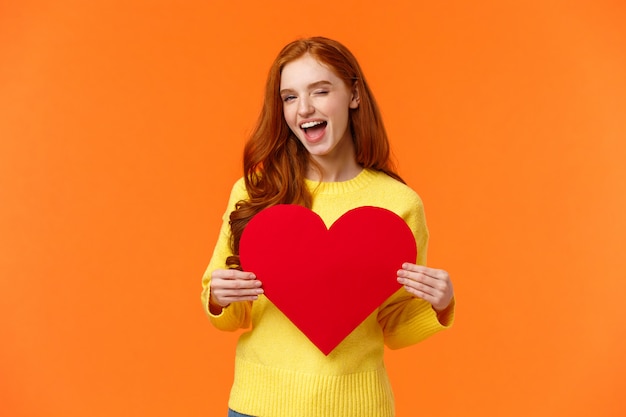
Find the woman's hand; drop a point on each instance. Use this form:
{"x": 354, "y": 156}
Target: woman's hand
{"x": 432, "y": 285}
{"x": 230, "y": 285}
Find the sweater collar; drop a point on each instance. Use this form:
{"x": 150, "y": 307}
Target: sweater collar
{"x": 360, "y": 181}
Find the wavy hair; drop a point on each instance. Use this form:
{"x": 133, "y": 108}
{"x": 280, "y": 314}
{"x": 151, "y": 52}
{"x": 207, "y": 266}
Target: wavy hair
{"x": 274, "y": 160}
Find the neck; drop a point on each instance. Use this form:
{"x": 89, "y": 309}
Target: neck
{"x": 322, "y": 171}
{"x": 338, "y": 165}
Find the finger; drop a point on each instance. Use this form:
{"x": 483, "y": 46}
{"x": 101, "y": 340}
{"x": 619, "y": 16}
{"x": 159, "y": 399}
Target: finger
{"x": 431, "y": 272}
{"x": 226, "y": 300}
{"x": 437, "y": 278}
{"x": 438, "y": 299}
{"x": 237, "y": 284}
{"x": 408, "y": 277}
{"x": 226, "y": 296}
{"x": 232, "y": 299}
{"x": 419, "y": 286}
{"x": 232, "y": 274}
{"x": 427, "y": 296}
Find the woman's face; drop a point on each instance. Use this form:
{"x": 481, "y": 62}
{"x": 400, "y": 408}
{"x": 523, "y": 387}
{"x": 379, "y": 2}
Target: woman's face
{"x": 316, "y": 106}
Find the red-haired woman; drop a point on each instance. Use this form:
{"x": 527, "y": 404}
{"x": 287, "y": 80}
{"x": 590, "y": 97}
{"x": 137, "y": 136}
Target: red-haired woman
{"x": 320, "y": 143}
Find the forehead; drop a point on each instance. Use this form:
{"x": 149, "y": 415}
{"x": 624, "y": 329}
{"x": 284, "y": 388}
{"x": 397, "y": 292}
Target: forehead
{"x": 304, "y": 71}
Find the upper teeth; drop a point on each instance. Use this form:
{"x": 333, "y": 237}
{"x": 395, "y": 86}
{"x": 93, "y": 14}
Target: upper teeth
{"x": 310, "y": 124}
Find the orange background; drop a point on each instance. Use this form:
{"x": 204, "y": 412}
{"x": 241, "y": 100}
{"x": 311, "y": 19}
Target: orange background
{"x": 121, "y": 130}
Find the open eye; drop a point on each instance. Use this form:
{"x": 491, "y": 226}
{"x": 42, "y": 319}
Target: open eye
{"x": 288, "y": 98}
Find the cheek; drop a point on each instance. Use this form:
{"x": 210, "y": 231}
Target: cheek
{"x": 290, "y": 118}
{"x": 289, "y": 115}
{"x": 340, "y": 112}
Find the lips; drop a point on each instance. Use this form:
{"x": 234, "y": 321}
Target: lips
{"x": 313, "y": 130}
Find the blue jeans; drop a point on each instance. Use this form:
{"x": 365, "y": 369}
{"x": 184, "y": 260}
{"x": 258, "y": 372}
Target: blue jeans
{"x": 233, "y": 413}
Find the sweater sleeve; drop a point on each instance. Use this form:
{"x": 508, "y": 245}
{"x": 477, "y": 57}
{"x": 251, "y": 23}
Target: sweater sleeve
{"x": 405, "y": 319}
{"x": 236, "y": 315}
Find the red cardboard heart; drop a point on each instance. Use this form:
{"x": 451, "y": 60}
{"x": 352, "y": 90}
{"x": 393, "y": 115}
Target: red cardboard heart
{"x": 326, "y": 281}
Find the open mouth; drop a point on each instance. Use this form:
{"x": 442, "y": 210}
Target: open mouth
{"x": 313, "y": 129}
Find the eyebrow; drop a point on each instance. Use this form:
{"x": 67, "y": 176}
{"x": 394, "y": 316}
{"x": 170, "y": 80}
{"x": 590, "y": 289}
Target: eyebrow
{"x": 310, "y": 86}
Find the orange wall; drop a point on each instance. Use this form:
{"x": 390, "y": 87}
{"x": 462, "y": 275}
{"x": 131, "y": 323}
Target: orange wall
{"x": 121, "y": 129}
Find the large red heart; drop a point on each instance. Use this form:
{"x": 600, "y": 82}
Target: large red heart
{"x": 326, "y": 281}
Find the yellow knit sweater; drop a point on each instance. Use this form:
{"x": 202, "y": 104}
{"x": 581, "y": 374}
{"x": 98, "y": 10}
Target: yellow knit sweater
{"x": 278, "y": 371}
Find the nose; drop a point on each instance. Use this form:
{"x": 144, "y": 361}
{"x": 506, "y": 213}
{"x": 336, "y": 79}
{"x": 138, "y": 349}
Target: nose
{"x": 305, "y": 107}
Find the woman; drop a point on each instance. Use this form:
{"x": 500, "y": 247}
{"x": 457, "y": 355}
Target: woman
{"x": 320, "y": 143}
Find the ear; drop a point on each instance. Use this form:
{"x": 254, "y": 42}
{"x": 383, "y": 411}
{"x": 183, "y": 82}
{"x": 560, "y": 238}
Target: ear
{"x": 355, "y": 99}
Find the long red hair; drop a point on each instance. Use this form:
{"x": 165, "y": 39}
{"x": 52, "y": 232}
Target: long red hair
{"x": 274, "y": 160}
